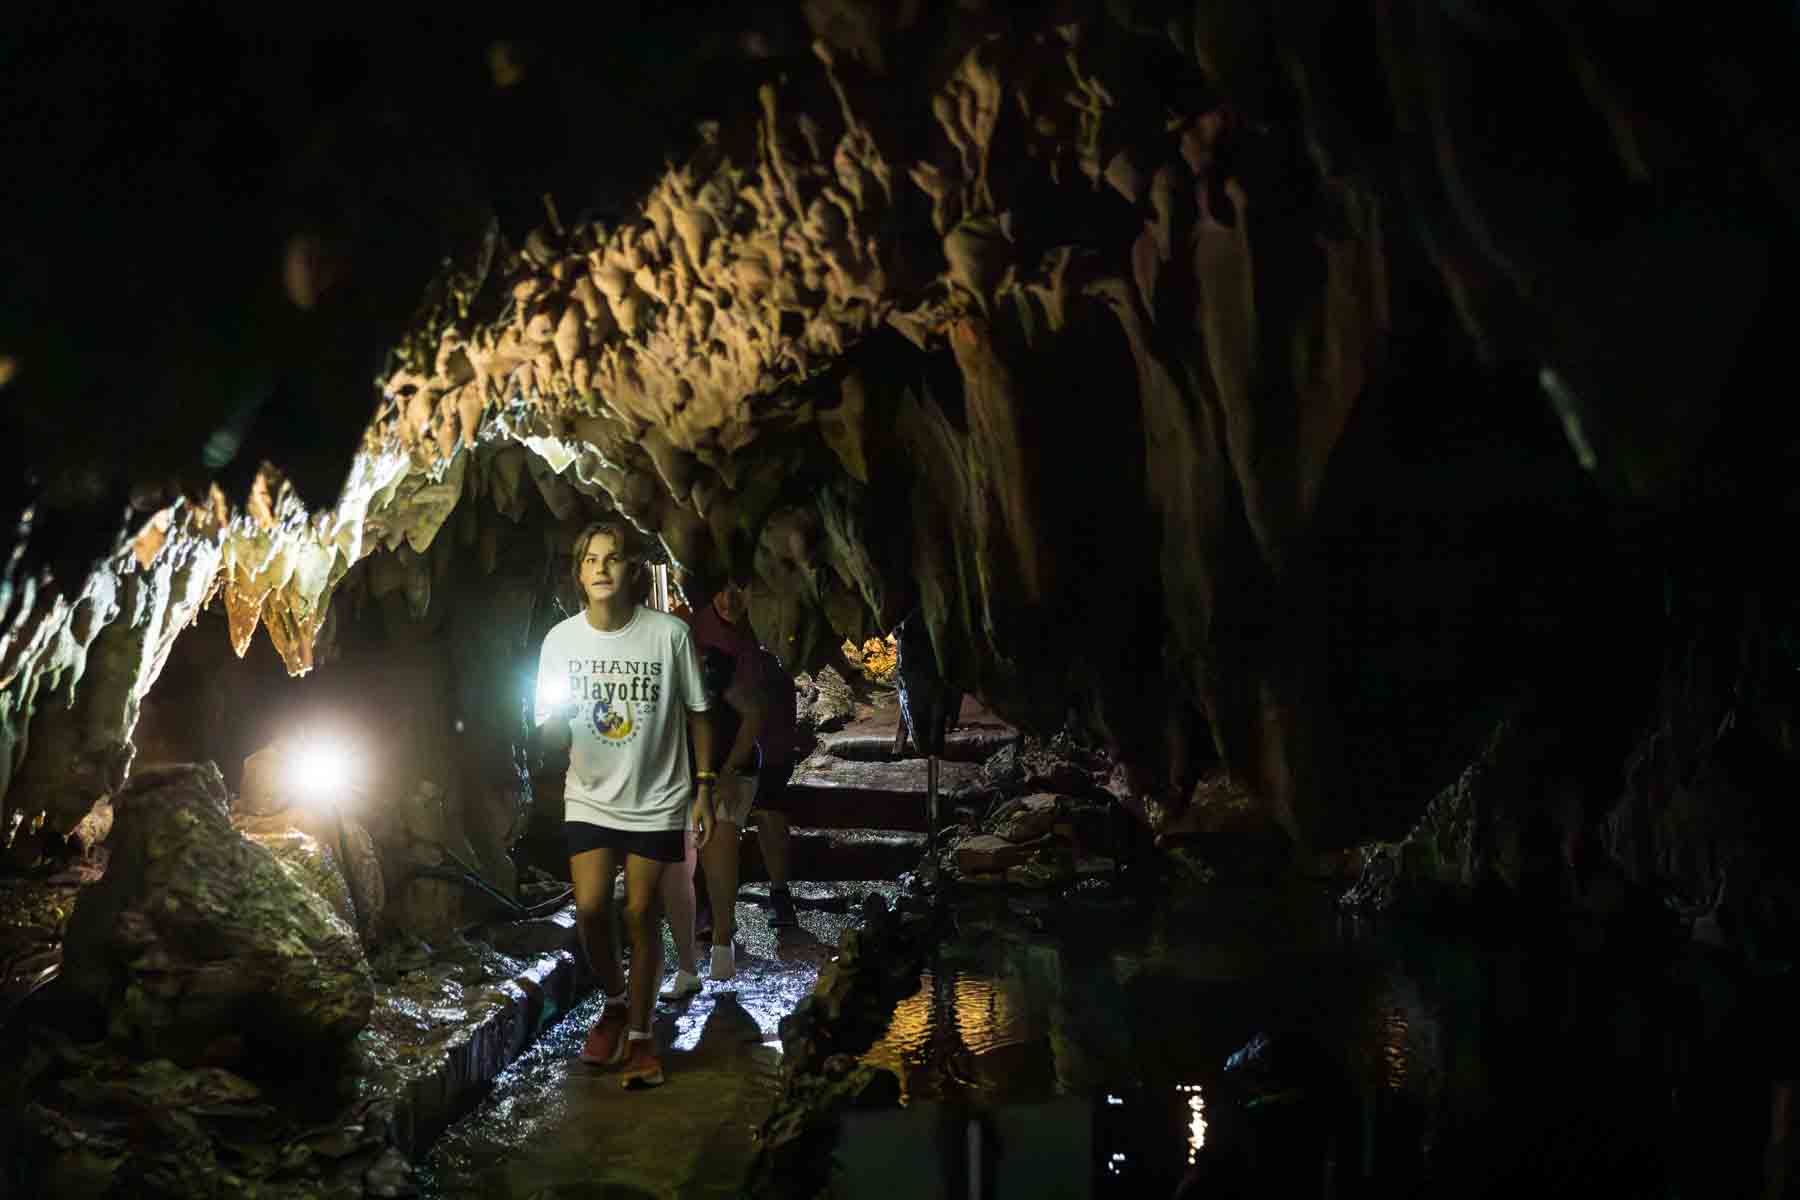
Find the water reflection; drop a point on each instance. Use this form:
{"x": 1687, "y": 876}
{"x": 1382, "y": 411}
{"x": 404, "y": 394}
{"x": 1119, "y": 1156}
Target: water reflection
{"x": 1196, "y": 1107}
{"x": 987, "y": 1013}
{"x": 1136, "y": 1026}
{"x": 963, "y": 1030}
{"x": 1393, "y": 1034}
{"x": 1399, "y": 1060}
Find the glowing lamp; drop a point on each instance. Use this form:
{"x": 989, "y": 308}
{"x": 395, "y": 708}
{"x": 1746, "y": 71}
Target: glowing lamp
{"x": 320, "y": 770}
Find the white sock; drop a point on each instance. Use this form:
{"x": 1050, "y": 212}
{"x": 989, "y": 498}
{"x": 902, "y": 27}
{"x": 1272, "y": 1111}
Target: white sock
{"x": 635, "y": 1036}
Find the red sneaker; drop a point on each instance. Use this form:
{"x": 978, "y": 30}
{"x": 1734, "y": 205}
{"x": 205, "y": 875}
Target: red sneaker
{"x": 605, "y": 1045}
{"x": 642, "y": 1068}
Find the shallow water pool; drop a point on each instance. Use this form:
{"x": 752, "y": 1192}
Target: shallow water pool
{"x": 1058, "y": 1051}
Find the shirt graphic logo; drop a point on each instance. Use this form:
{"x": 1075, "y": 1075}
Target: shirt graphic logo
{"x": 616, "y": 692}
{"x": 612, "y": 721}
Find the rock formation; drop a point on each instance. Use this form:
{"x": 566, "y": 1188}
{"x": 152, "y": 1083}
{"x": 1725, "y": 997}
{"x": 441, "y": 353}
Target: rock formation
{"x": 197, "y": 946}
{"x": 1318, "y": 426}
{"x": 1269, "y": 390}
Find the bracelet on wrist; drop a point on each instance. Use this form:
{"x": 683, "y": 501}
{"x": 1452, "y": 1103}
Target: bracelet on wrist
{"x": 705, "y": 775}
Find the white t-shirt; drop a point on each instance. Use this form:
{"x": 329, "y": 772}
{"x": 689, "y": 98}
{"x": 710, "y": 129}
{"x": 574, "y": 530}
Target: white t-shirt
{"x": 628, "y": 760}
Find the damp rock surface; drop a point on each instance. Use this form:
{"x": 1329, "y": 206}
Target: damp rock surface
{"x": 100, "y": 1118}
{"x": 197, "y": 944}
{"x": 313, "y": 867}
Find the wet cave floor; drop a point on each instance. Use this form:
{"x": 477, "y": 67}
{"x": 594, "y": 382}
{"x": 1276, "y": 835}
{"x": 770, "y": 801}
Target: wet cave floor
{"x": 1063, "y": 1050}
{"x": 553, "y": 1127}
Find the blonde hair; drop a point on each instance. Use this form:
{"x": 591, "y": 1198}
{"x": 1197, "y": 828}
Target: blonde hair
{"x": 628, "y": 545}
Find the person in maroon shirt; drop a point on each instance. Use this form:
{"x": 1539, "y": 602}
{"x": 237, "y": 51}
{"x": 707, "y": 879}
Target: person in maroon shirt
{"x": 766, "y": 743}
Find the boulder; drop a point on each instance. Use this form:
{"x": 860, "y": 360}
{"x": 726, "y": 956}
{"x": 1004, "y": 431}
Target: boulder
{"x": 824, "y": 701}
{"x": 1031, "y": 765}
{"x": 92, "y": 830}
{"x": 315, "y": 844}
{"x": 420, "y": 903}
{"x": 1220, "y": 803}
{"x": 1002, "y": 769}
{"x": 199, "y": 946}
{"x": 1059, "y": 765}
{"x": 362, "y": 867}
{"x": 261, "y": 794}
{"x": 987, "y": 852}
{"x": 105, "y": 1124}
{"x": 1054, "y": 775}
{"x": 1025, "y": 818}
{"x": 311, "y": 865}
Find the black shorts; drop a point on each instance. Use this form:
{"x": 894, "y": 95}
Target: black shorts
{"x": 663, "y": 845}
{"x": 772, "y": 784}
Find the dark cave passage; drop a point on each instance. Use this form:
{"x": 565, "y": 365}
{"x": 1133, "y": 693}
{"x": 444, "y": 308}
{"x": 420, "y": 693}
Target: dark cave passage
{"x": 1240, "y": 546}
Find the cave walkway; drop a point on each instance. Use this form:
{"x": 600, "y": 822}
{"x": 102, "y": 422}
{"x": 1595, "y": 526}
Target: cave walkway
{"x": 552, "y": 1126}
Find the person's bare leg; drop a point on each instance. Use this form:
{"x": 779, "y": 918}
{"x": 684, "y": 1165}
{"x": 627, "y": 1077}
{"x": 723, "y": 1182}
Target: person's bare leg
{"x": 721, "y": 861}
{"x": 678, "y": 903}
{"x": 643, "y": 879}
{"x": 773, "y": 834}
{"x": 592, "y": 874}
{"x": 702, "y": 903}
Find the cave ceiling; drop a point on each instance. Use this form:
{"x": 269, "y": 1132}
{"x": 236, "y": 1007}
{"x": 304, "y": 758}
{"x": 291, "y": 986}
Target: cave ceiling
{"x": 1165, "y": 357}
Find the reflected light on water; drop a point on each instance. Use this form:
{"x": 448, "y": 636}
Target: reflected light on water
{"x": 987, "y": 1016}
{"x": 950, "y": 1015}
{"x": 1393, "y": 1034}
{"x": 907, "y": 1040}
{"x": 1196, "y": 1104}
{"x": 910, "y": 1026}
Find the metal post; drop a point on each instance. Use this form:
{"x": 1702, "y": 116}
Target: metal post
{"x": 974, "y": 1159}
{"x": 931, "y": 813}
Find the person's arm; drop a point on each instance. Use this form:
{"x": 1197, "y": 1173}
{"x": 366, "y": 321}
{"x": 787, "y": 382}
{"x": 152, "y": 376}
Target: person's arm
{"x": 703, "y": 731}
{"x": 690, "y": 693}
{"x": 752, "y": 707}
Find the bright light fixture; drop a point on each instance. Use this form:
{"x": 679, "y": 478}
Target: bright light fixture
{"x": 320, "y": 770}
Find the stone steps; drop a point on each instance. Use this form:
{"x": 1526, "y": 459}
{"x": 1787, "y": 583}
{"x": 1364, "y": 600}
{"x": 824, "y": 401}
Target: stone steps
{"x": 836, "y": 793}
{"x": 969, "y": 745}
{"x": 837, "y": 855}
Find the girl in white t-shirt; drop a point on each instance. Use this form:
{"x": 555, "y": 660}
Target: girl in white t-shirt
{"x": 619, "y": 691}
